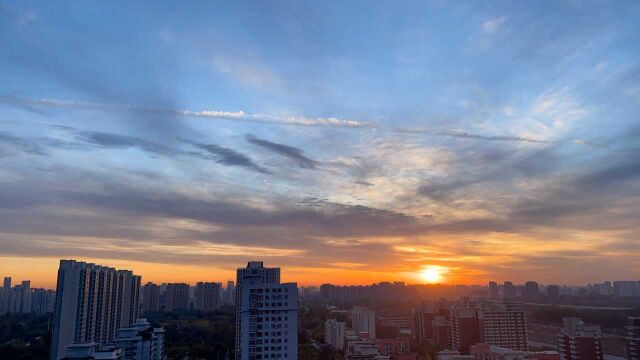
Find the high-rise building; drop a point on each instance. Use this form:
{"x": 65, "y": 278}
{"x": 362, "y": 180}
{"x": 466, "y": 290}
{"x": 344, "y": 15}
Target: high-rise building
{"x": 424, "y": 316}
{"x": 626, "y": 288}
{"x": 141, "y": 341}
{"x": 177, "y": 297}
{"x": 266, "y": 314}
{"x": 504, "y": 324}
{"x": 42, "y": 301}
{"x": 531, "y": 291}
{"x": 633, "y": 338}
{"x": 577, "y": 341}
{"x": 230, "y": 293}
{"x": 553, "y": 291}
{"x": 334, "y": 333}
{"x": 493, "y": 290}
{"x": 363, "y": 320}
{"x": 5, "y": 295}
{"x": 20, "y": 298}
{"x": 441, "y": 332}
{"x": 465, "y": 328}
{"x": 150, "y": 297}
{"x": 92, "y": 302}
{"x": 207, "y": 296}
{"x": 508, "y": 290}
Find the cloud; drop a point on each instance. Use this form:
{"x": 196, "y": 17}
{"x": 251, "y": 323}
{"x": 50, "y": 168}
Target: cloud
{"x": 492, "y": 26}
{"x": 287, "y": 151}
{"x": 10, "y": 144}
{"x": 205, "y": 114}
{"x": 231, "y": 157}
{"x": 110, "y": 140}
{"x": 250, "y": 74}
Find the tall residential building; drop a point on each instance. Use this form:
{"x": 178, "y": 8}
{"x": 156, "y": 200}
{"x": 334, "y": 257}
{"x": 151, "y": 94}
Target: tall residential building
{"x": 141, "y": 341}
{"x": 553, "y": 291}
{"x": 334, "y": 333}
{"x": 363, "y": 320}
{"x": 207, "y": 296}
{"x": 465, "y": 328}
{"x": 531, "y": 291}
{"x": 504, "y": 324}
{"x": 150, "y": 297}
{"x": 266, "y": 314}
{"x": 230, "y": 293}
{"x": 5, "y": 295}
{"x": 577, "y": 341}
{"x": 626, "y": 288}
{"x": 424, "y": 316}
{"x": 493, "y": 290}
{"x": 177, "y": 297}
{"x": 20, "y": 298}
{"x": 441, "y": 332}
{"x": 92, "y": 302}
{"x": 42, "y": 301}
{"x": 508, "y": 290}
{"x": 633, "y": 338}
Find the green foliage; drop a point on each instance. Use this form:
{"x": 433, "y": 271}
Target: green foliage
{"x": 24, "y": 337}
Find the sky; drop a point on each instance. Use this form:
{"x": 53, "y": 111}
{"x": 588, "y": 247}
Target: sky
{"x": 348, "y": 142}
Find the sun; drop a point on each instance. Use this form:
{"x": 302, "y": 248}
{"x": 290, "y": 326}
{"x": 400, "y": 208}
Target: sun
{"x": 433, "y": 273}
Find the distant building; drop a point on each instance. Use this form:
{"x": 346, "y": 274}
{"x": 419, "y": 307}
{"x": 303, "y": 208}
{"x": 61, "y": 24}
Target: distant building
{"x": 141, "y": 341}
{"x": 492, "y": 352}
{"x": 553, "y": 291}
{"x": 177, "y": 297}
{"x": 266, "y": 314}
{"x": 504, "y": 324}
{"x": 465, "y": 328}
{"x": 508, "y": 290}
{"x": 207, "y": 296}
{"x": 441, "y": 332}
{"x": 334, "y": 333}
{"x": 493, "y": 290}
{"x": 531, "y": 291}
{"x": 633, "y": 338}
{"x": 424, "y": 316}
{"x": 42, "y": 301}
{"x": 453, "y": 355}
{"x": 230, "y": 293}
{"x": 150, "y": 297}
{"x": 577, "y": 341}
{"x": 93, "y": 302}
{"x": 626, "y": 288}
{"x": 363, "y": 320}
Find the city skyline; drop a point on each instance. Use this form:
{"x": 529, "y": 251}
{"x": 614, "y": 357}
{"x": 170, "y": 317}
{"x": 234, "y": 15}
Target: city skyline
{"x": 457, "y": 143}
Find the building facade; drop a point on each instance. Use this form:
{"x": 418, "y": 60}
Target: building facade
{"x": 266, "y": 314}
{"x": 578, "y": 341}
{"x": 334, "y": 333}
{"x": 92, "y": 302}
{"x": 363, "y": 320}
{"x": 207, "y": 296}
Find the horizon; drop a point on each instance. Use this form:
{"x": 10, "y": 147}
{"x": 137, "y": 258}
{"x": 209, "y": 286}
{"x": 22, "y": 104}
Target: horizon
{"x": 358, "y": 142}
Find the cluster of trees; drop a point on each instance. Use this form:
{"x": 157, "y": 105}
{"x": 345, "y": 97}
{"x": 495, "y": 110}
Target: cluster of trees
{"x": 24, "y": 336}
{"x": 198, "y": 335}
{"x": 610, "y": 320}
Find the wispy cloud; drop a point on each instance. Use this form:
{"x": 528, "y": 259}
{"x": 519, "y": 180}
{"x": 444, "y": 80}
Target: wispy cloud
{"x": 250, "y": 74}
{"x": 287, "y": 151}
{"x": 492, "y": 26}
{"x": 205, "y": 114}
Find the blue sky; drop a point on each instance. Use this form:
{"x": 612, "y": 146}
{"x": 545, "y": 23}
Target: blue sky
{"x": 370, "y": 139}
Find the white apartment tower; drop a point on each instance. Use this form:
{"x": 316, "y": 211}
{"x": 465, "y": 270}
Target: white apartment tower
{"x": 92, "y": 302}
{"x": 363, "y": 320}
{"x": 266, "y": 314}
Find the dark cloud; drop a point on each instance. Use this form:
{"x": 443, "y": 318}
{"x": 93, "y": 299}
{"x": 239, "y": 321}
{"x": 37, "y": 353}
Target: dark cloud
{"x": 231, "y": 157}
{"x": 10, "y": 144}
{"x": 117, "y": 141}
{"x": 287, "y": 151}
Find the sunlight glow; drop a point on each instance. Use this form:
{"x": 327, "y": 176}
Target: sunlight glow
{"x": 433, "y": 273}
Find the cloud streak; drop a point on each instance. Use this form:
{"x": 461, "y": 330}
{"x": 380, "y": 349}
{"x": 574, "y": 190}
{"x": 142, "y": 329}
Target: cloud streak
{"x": 287, "y": 151}
{"x": 205, "y": 114}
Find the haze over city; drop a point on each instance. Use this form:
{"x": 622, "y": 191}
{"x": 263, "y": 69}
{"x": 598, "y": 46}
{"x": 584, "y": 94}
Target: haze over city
{"x": 346, "y": 142}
